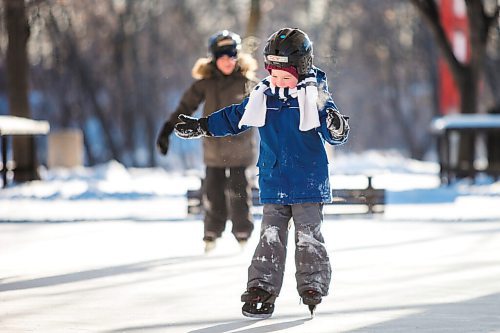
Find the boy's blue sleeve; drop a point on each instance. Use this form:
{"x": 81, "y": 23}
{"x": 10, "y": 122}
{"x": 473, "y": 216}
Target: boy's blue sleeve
{"x": 225, "y": 121}
{"x": 325, "y": 102}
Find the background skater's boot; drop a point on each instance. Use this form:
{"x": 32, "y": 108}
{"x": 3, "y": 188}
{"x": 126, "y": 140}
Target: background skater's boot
{"x": 209, "y": 243}
{"x": 258, "y": 303}
{"x": 242, "y": 238}
{"x": 311, "y": 298}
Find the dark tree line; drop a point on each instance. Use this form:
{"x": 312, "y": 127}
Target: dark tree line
{"x": 16, "y": 60}
{"x": 116, "y": 69}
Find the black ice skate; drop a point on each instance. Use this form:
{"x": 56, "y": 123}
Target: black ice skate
{"x": 311, "y": 298}
{"x": 258, "y": 303}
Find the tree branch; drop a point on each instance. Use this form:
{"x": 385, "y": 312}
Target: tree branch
{"x": 34, "y": 3}
{"x": 430, "y": 12}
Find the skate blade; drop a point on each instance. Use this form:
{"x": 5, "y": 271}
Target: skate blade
{"x": 312, "y": 309}
{"x": 256, "y": 315}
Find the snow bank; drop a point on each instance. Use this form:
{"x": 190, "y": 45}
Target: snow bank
{"x": 113, "y": 192}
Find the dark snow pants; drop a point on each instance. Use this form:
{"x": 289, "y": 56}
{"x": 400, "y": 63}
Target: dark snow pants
{"x": 313, "y": 270}
{"x": 232, "y": 182}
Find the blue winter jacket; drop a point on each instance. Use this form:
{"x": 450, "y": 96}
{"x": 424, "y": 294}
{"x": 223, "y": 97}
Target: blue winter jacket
{"x": 293, "y": 165}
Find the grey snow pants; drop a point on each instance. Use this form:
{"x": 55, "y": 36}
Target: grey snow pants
{"x": 313, "y": 270}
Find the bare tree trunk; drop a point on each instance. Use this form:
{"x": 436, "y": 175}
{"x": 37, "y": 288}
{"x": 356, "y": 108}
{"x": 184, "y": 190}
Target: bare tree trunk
{"x": 154, "y": 91}
{"x": 253, "y": 19}
{"x": 492, "y": 76}
{"x": 250, "y": 42}
{"x": 17, "y": 81}
{"x": 126, "y": 97}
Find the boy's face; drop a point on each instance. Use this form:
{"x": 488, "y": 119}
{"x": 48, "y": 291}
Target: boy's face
{"x": 283, "y": 79}
{"x": 226, "y": 64}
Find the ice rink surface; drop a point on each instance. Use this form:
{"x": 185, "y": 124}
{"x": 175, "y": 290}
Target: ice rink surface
{"x": 126, "y": 276}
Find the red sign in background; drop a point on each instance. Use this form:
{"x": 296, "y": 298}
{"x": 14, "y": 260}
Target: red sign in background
{"x": 455, "y": 24}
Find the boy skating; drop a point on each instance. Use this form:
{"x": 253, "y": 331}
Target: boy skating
{"x": 295, "y": 114}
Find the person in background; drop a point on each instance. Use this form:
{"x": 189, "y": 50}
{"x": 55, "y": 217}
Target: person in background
{"x": 222, "y": 79}
{"x": 295, "y": 115}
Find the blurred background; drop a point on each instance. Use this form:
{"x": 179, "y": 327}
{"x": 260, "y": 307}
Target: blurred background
{"x": 115, "y": 69}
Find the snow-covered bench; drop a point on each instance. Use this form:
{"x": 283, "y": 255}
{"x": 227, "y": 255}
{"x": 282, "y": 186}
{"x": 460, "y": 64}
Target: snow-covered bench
{"x": 450, "y": 128}
{"x": 9, "y": 126}
{"x": 371, "y": 198}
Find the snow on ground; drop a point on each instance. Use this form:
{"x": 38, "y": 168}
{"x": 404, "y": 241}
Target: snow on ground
{"x": 112, "y": 192}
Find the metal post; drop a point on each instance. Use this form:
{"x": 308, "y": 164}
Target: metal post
{"x": 4, "y": 159}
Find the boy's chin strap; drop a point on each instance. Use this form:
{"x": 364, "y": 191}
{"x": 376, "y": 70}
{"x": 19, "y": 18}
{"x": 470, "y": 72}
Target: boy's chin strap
{"x": 306, "y": 92}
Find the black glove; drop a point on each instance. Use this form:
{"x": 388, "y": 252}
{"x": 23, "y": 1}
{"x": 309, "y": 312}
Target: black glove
{"x": 337, "y": 124}
{"x": 191, "y": 128}
{"x": 163, "y": 137}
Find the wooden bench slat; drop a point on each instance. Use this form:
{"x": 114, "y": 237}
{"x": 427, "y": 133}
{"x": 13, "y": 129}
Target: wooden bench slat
{"x": 373, "y": 198}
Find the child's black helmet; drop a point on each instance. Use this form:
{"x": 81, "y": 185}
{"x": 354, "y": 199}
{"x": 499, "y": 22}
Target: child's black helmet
{"x": 289, "y": 47}
{"x": 224, "y": 43}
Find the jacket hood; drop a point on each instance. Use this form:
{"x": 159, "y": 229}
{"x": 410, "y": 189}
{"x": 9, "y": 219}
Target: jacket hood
{"x": 204, "y": 68}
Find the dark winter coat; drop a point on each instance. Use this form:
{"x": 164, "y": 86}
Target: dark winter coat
{"x": 217, "y": 91}
{"x": 293, "y": 165}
